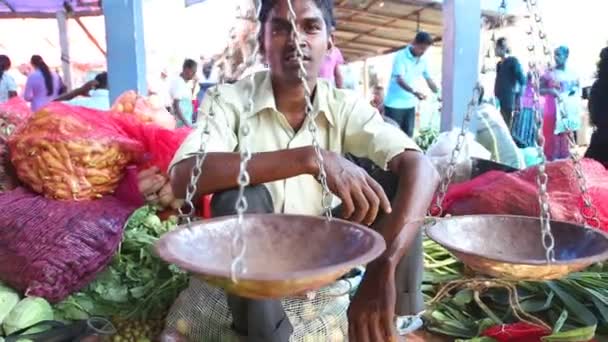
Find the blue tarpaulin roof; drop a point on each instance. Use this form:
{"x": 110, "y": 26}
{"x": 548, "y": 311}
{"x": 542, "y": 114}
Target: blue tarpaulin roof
{"x": 47, "y": 8}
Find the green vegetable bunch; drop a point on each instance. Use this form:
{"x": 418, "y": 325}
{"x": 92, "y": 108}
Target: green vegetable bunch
{"x": 137, "y": 285}
{"x": 426, "y": 137}
{"x": 576, "y": 307}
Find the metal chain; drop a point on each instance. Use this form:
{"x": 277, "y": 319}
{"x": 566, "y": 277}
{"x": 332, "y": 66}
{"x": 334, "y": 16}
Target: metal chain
{"x": 312, "y": 126}
{"x": 542, "y": 179}
{"x": 187, "y": 212}
{"x": 588, "y": 210}
{"x": 437, "y": 207}
{"x": 239, "y": 243}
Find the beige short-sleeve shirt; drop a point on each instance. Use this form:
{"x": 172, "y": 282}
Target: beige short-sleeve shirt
{"x": 347, "y": 123}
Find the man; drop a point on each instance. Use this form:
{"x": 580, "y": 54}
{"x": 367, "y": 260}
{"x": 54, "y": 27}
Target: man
{"x": 93, "y": 94}
{"x": 181, "y": 92}
{"x": 283, "y": 168}
{"x": 408, "y": 67}
{"x": 510, "y": 80}
{"x": 378, "y": 99}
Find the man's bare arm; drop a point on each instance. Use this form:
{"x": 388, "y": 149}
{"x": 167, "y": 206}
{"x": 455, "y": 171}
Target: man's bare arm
{"x": 221, "y": 169}
{"x": 432, "y": 85}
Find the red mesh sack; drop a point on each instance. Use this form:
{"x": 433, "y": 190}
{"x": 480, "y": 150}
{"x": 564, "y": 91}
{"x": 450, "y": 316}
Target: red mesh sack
{"x": 517, "y": 193}
{"x": 53, "y": 248}
{"x": 143, "y": 109}
{"x": 72, "y": 153}
{"x": 13, "y": 113}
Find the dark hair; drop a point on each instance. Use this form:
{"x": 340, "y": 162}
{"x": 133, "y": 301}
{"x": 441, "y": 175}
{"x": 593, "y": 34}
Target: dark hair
{"x": 189, "y": 64}
{"x": 423, "y": 38}
{"x": 102, "y": 80}
{"x": 5, "y": 64}
{"x": 39, "y": 63}
{"x": 326, "y": 7}
{"x": 598, "y": 101}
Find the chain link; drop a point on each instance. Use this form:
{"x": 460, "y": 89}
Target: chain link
{"x": 312, "y": 126}
{"x": 542, "y": 179}
{"x": 187, "y": 212}
{"x": 239, "y": 243}
{"x": 437, "y": 207}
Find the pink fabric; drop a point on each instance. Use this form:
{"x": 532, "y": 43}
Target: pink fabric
{"x": 332, "y": 60}
{"x": 556, "y": 146}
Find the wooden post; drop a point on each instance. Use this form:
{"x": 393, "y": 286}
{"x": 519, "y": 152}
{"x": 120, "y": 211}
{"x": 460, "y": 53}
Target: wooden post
{"x": 62, "y": 22}
{"x": 461, "y": 41}
{"x": 125, "y": 47}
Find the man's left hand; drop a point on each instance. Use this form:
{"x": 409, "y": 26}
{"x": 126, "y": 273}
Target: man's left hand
{"x": 371, "y": 315}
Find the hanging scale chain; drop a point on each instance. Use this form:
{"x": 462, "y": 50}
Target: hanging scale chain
{"x": 588, "y": 211}
{"x": 239, "y": 244}
{"x": 542, "y": 179}
{"x": 312, "y": 126}
{"x": 446, "y": 179}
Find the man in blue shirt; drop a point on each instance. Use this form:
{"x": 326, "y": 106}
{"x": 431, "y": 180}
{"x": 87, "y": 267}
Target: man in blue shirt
{"x": 408, "y": 67}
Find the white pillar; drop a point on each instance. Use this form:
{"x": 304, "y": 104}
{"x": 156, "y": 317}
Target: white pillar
{"x": 461, "y": 41}
{"x": 62, "y": 22}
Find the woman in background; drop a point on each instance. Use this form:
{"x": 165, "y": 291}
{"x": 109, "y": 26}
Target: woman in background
{"x": 8, "y": 87}
{"x": 561, "y": 89}
{"x": 42, "y": 86}
{"x": 598, "y": 110}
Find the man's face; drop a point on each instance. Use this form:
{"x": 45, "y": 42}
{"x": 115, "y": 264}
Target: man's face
{"x": 279, "y": 45}
{"x": 189, "y": 73}
{"x": 419, "y": 49}
{"x": 560, "y": 57}
{"x": 378, "y": 96}
{"x": 500, "y": 51}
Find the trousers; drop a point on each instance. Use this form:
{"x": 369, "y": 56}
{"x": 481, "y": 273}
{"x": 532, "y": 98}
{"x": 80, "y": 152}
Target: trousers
{"x": 265, "y": 320}
{"x": 405, "y": 118}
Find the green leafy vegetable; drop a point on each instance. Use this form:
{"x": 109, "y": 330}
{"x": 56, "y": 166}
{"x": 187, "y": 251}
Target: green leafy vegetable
{"x": 26, "y": 313}
{"x": 8, "y": 299}
{"x": 137, "y": 284}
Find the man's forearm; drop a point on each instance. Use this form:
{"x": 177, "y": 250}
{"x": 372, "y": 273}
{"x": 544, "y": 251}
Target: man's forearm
{"x": 404, "y": 85}
{"x": 432, "y": 85}
{"x": 418, "y": 181}
{"x": 221, "y": 169}
{"x": 178, "y": 112}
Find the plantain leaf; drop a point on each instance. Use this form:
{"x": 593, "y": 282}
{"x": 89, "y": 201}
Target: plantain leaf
{"x": 575, "y": 307}
{"x": 559, "y": 324}
{"x": 576, "y": 335}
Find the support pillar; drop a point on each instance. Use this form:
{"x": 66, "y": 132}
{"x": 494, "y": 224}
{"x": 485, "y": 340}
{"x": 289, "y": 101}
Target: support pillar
{"x": 64, "y": 42}
{"x": 460, "y": 72}
{"x": 126, "y": 47}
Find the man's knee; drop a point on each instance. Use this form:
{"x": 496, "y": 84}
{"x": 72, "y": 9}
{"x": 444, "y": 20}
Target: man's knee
{"x": 259, "y": 201}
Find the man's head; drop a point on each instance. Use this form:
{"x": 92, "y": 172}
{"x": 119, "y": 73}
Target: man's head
{"x": 561, "y": 55}
{"x": 189, "y": 69}
{"x": 102, "y": 80}
{"x": 314, "y": 22}
{"x": 378, "y": 94}
{"x": 421, "y": 43}
{"x": 501, "y": 49}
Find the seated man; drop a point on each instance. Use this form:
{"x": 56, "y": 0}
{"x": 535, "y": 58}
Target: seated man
{"x": 283, "y": 170}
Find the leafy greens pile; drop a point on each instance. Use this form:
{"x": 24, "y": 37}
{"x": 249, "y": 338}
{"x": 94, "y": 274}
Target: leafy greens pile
{"x": 576, "y": 307}
{"x": 137, "y": 284}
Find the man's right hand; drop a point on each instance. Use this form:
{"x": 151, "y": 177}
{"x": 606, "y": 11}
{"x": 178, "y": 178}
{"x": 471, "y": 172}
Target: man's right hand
{"x": 420, "y": 96}
{"x": 362, "y": 197}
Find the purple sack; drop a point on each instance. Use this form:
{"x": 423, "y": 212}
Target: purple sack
{"x": 51, "y": 248}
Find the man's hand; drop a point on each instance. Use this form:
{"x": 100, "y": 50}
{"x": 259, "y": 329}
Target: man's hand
{"x": 420, "y": 95}
{"x": 371, "y": 314}
{"x": 362, "y": 197}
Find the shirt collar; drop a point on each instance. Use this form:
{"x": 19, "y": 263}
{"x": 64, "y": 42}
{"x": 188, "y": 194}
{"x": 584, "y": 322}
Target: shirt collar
{"x": 264, "y": 96}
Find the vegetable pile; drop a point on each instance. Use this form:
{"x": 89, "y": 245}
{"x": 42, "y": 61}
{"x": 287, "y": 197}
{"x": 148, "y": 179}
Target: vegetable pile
{"x": 17, "y": 313}
{"x": 145, "y": 110}
{"x": 575, "y": 308}
{"x": 137, "y": 285}
{"x": 72, "y": 153}
{"x": 426, "y": 137}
